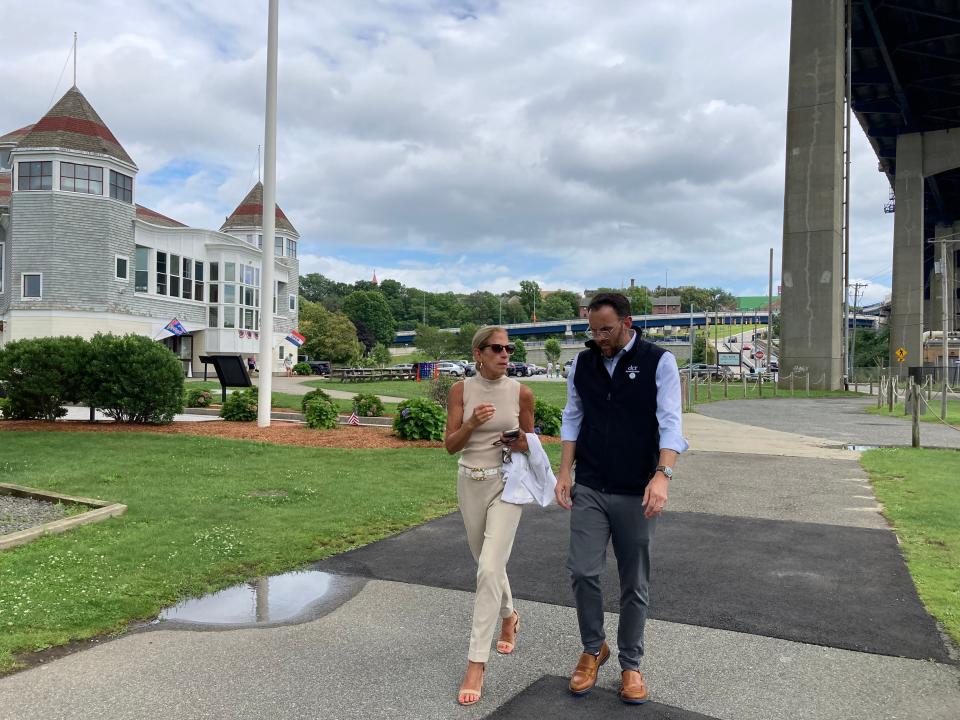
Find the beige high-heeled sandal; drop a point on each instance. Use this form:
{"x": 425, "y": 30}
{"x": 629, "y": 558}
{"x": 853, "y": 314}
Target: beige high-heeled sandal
{"x": 505, "y": 647}
{"x": 471, "y": 691}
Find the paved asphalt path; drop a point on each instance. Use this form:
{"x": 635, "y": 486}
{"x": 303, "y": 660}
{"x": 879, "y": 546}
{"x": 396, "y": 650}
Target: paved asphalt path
{"x": 778, "y": 592}
{"x": 843, "y": 419}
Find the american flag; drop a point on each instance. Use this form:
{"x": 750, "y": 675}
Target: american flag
{"x": 353, "y": 419}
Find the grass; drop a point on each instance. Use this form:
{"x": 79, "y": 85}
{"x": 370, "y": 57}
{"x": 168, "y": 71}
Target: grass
{"x": 552, "y": 392}
{"x": 193, "y": 525}
{"x": 920, "y": 492}
{"x": 953, "y": 411}
{"x": 714, "y": 393}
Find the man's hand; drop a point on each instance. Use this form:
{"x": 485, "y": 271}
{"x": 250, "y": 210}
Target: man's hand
{"x": 654, "y": 497}
{"x": 562, "y": 491}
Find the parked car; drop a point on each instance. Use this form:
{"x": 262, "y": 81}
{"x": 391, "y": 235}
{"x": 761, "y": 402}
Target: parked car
{"x": 733, "y": 339}
{"x": 451, "y": 368}
{"x": 469, "y": 368}
{"x": 533, "y": 369}
{"x": 517, "y": 369}
{"x": 715, "y": 372}
{"x": 318, "y": 367}
{"x": 566, "y": 367}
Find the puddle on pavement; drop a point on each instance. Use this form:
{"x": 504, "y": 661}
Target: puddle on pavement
{"x": 264, "y": 600}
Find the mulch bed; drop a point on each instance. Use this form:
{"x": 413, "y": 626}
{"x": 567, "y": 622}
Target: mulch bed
{"x": 279, "y": 432}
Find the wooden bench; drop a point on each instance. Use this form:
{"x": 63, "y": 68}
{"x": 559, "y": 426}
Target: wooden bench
{"x": 346, "y": 375}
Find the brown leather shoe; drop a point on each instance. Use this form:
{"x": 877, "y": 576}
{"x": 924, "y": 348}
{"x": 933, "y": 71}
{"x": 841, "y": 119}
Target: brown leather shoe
{"x": 633, "y": 688}
{"x": 585, "y": 676}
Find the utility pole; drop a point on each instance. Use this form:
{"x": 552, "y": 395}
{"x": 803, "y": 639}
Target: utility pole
{"x": 853, "y": 352}
{"x": 945, "y": 321}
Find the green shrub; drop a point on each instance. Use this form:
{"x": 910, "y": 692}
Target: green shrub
{"x": 302, "y": 368}
{"x": 547, "y": 418}
{"x": 134, "y": 379}
{"x": 438, "y": 389}
{"x": 4, "y": 408}
{"x": 197, "y": 397}
{"x": 311, "y": 396}
{"x": 367, "y": 405}
{"x": 40, "y": 375}
{"x": 321, "y": 414}
{"x": 419, "y": 419}
{"x": 240, "y": 406}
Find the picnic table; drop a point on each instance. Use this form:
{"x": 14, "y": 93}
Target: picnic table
{"x": 346, "y": 375}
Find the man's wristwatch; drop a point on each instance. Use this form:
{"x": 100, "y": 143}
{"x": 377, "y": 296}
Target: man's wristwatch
{"x": 666, "y": 470}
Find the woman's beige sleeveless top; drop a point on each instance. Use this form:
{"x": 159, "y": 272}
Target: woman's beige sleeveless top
{"x": 504, "y": 394}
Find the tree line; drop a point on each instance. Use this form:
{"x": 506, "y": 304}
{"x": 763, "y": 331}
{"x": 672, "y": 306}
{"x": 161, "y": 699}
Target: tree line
{"x": 351, "y": 322}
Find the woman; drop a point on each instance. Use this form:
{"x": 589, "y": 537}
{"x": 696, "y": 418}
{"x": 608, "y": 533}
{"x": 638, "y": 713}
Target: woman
{"x": 288, "y": 364}
{"x": 480, "y": 410}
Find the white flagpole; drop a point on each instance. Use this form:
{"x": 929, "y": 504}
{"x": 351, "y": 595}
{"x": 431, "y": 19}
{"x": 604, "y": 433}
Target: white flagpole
{"x": 269, "y": 225}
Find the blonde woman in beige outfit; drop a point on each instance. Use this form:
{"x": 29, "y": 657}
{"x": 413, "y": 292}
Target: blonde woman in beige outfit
{"x": 480, "y": 411}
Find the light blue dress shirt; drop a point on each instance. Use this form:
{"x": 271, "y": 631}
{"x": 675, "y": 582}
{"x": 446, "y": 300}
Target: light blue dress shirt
{"x": 669, "y": 412}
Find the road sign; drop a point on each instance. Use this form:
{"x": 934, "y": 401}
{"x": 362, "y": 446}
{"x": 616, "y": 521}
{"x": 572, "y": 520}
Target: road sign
{"x": 758, "y": 354}
{"x": 901, "y": 354}
{"x": 728, "y": 359}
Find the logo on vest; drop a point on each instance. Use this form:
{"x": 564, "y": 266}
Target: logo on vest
{"x": 632, "y": 371}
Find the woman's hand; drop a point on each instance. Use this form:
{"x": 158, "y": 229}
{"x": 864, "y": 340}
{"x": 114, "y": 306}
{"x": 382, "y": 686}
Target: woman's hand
{"x": 481, "y": 414}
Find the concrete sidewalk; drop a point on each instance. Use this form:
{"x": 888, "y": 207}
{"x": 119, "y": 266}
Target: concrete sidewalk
{"x": 778, "y": 592}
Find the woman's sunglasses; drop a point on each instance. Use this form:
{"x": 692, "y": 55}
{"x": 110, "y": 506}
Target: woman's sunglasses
{"x": 498, "y": 348}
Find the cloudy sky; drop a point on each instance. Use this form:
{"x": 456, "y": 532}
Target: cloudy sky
{"x": 458, "y": 145}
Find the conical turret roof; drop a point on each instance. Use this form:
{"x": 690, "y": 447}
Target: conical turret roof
{"x": 15, "y": 136}
{"x": 73, "y": 124}
{"x": 249, "y": 213}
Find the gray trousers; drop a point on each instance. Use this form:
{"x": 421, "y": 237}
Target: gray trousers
{"x": 597, "y": 517}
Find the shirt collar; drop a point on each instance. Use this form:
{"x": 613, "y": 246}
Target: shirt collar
{"x": 625, "y": 348}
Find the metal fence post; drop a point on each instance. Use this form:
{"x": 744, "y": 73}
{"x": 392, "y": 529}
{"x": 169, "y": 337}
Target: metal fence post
{"x": 725, "y": 383}
{"x": 915, "y": 435}
{"x": 891, "y": 392}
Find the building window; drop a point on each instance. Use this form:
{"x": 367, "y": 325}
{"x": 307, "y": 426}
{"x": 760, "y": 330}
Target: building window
{"x": 230, "y": 294}
{"x": 198, "y": 280}
{"x": 213, "y": 317}
{"x": 229, "y": 271}
{"x": 141, "y": 269}
{"x": 260, "y": 241}
{"x": 174, "y": 275}
{"x": 35, "y": 175}
{"x": 278, "y": 246}
{"x": 121, "y": 267}
{"x": 121, "y": 187}
{"x": 293, "y": 302}
{"x": 281, "y": 353}
{"x": 161, "y": 273}
{"x": 214, "y": 293}
{"x": 31, "y": 286}
{"x": 229, "y": 317}
{"x": 187, "y": 278}
{"x": 214, "y": 272}
{"x": 81, "y": 178}
{"x": 291, "y": 247}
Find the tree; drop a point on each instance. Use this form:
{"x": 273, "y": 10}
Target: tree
{"x": 364, "y": 335}
{"x": 873, "y": 347}
{"x": 700, "y": 349}
{"x": 319, "y": 289}
{"x": 431, "y": 341}
{"x": 514, "y": 312}
{"x": 370, "y": 307}
{"x": 330, "y": 336}
{"x": 552, "y": 349}
{"x": 530, "y": 296}
{"x": 313, "y": 318}
{"x": 520, "y": 354}
{"x": 560, "y": 305}
{"x": 462, "y": 343}
{"x": 380, "y": 355}
{"x": 640, "y": 302}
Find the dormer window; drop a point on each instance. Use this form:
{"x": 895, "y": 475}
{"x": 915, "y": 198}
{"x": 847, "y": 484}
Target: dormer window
{"x": 35, "y": 175}
{"x": 81, "y": 178}
{"x": 121, "y": 187}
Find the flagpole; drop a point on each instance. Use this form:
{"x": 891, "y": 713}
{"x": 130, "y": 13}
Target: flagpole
{"x": 269, "y": 215}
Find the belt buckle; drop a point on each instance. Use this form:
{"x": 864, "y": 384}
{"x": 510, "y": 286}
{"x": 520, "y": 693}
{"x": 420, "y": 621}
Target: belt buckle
{"x": 477, "y": 474}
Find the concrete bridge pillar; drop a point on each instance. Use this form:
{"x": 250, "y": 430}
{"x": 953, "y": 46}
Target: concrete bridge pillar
{"x": 812, "y": 219}
{"x": 919, "y": 156}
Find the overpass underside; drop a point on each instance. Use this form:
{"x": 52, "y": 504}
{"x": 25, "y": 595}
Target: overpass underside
{"x": 899, "y": 63}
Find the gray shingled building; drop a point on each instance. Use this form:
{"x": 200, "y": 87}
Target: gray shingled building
{"x": 78, "y": 255}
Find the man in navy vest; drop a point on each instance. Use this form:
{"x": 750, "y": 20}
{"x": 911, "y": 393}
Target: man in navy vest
{"x": 622, "y": 428}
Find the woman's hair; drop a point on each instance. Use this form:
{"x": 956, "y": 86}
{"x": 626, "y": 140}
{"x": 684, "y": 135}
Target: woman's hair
{"x": 481, "y": 336}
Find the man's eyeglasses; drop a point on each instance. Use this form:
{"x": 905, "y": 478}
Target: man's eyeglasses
{"x": 604, "y": 332}
{"x": 498, "y": 348}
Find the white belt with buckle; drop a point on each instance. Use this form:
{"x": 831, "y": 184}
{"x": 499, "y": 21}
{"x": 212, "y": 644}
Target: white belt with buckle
{"x": 481, "y": 473}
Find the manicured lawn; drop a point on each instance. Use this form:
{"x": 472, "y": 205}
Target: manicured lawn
{"x": 194, "y": 522}
{"x": 391, "y": 388}
{"x": 554, "y": 393}
{"x": 953, "y": 411}
{"x": 920, "y": 492}
{"x": 714, "y": 393}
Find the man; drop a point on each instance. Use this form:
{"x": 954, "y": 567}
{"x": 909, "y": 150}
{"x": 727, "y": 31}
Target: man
{"x": 622, "y": 426}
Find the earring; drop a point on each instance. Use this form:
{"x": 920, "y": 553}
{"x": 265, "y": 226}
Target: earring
{"x": 480, "y": 365}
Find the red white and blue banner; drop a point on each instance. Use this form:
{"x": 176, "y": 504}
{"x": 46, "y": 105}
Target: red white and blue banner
{"x": 175, "y": 327}
{"x": 296, "y": 338}
{"x": 353, "y": 419}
